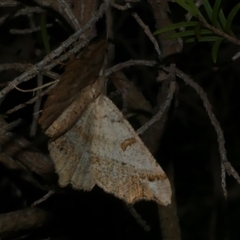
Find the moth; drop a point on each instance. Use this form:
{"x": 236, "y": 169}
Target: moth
{"x": 102, "y": 148}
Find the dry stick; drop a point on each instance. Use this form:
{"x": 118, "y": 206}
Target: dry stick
{"x": 148, "y": 32}
{"x": 33, "y": 71}
{"x": 225, "y": 164}
{"x": 110, "y": 35}
{"x": 28, "y": 30}
{"x": 36, "y": 109}
{"x": 236, "y": 56}
{"x": 67, "y": 55}
{"x": 8, "y": 127}
{"x": 120, "y": 7}
{"x": 31, "y": 101}
{"x": 69, "y": 13}
{"x": 17, "y": 66}
{"x": 44, "y": 198}
{"x": 22, "y": 12}
{"x": 37, "y": 88}
{"x": 8, "y": 3}
{"x": 133, "y": 1}
{"x": 138, "y": 218}
{"x": 130, "y": 63}
{"x": 162, "y": 110}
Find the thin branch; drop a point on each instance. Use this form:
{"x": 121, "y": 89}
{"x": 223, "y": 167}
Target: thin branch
{"x": 69, "y": 13}
{"x": 21, "y": 12}
{"x": 129, "y": 64}
{"x": 37, "y": 88}
{"x": 17, "y": 66}
{"x": 37, "y": 105}
{"x": 225, "y": 164}
{"x": 138, "y": 218}
{"x": 8, "y": 3}
{"x": 236, "y": 56}
{"x": 148, "y": 32}
{"x": 31, "y": 101}
{"x": 43, "y": 198}
{"x": 120, "y": 7}
{"x": 28, "y": 30}
{"x": 162, "y": 110}
{"x": 33, "y": 71}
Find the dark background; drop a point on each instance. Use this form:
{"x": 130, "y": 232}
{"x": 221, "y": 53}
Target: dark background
{"x": 189, "y": 140}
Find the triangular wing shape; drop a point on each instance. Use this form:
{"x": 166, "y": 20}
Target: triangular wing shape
{"x": 103, "y": 149}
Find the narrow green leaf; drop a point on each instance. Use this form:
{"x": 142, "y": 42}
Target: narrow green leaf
{"x": 222, "y": 18}
{"x": 184, "y": 5}
{"x": 208, "y": 8}
{"x": 215, "y": 13}
{"x": 44, "y": 33}
{"x": 204, "y": 39}
{"x": 230, "y": 17}
{"x": 174, "y": 26}
{"x": 215, "y": 48}
{"x": 194, "y": 9}
{"x": 189, "y": 33}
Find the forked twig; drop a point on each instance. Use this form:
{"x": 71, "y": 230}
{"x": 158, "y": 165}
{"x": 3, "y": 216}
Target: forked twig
{"x": 160, "y": 113}
{"x": 225, "y": 164}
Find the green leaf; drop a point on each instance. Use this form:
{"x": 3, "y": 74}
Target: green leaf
{"x": 222, "y": 18}
{"x": 174, "y": 26}
{"x": 194, "y": 9}
{"x": 184, "y": 5}
{"x": 215, "y": 48}
{"x": 208, "y": 8}
{"x": 189, "y": 33}
{"x": 215, "y": 13}
{"x": 230, "y": 17}
{"x": 204, "y": 39}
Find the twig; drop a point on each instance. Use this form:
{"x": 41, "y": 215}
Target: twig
{"x": 8, "y": 127}
{"x": 148, "y": 32}
{"x": 130, "y": 63}
{"x": 28, "y": 30}
{"x": 22, "y": 12}
{"x": 69, "y": 13}
{"x": 8, "y": 3}
{"x": 31, "y": 101}
{"x": 110, "y": 35}
{"x": 225, "y": 164}
{"x": 120, "y": 7}
{"x": 17, "y": 66}
{"x": 138, "y": 218}
{"x": 33, "y": 71}
{"x": 236, "y": 56}
{"x": 160, "y": 113}
{"x": 44, "y": 198}
{"x": 37, "y": 105}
